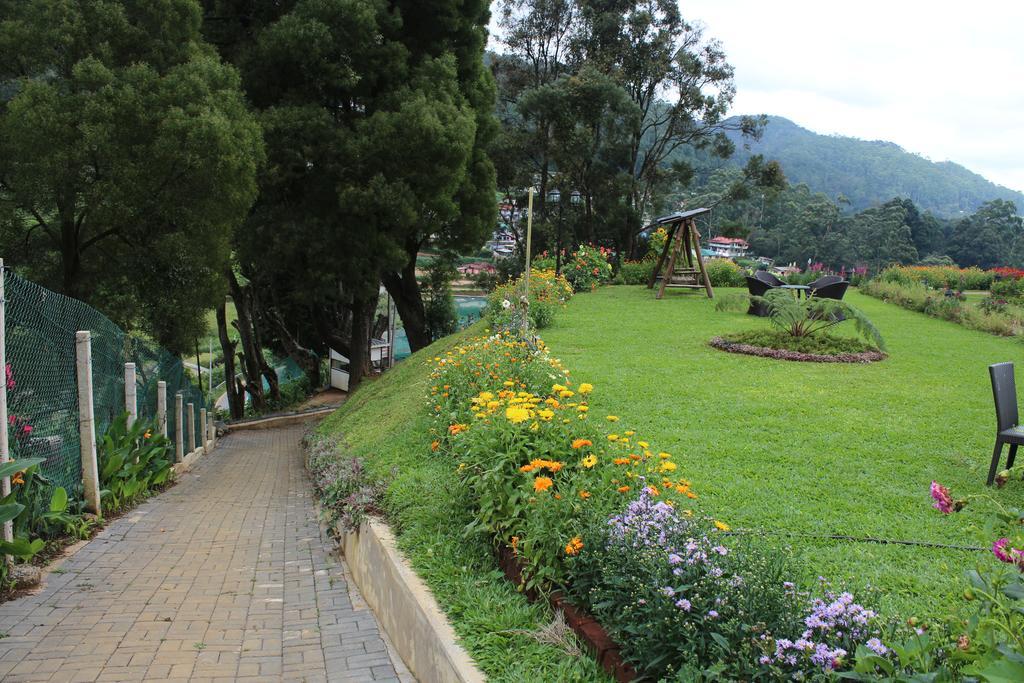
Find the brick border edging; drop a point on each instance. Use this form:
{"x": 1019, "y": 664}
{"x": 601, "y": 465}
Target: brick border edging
{"x": 404, "y": 606}
{"x": 605, "y": 650}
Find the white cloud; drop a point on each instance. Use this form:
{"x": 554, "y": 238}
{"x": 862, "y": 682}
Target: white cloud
{"x": 942, "y": 79}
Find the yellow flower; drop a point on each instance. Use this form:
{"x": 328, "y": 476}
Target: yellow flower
{"x": 486, "y": 396}
{"x": 589, "y": 461}
{"x": 668, "y": 466}
{"x": 583, "y": 409}
{"x": 566, "y": 394}
{"x": 586, "y": 388}
{"x": 721, "y": 526}
{"x": 508, "y": 383}
{"x": 613, "y": 437}
{"x": 664, "y": 456}
{"x": 516, "y": 415}
{"x": 545, "y": 414}
{"x": 574, "y": 546}
{"x": 612, "y": 418}
{"x": 556, "y": 388}
{"x": 629, "y": 432}
{"x": 542, "y": 483}
{"x": 643, "y": 444}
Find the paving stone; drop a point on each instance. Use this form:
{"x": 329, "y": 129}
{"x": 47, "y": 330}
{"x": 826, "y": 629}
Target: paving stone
{"x": 225, "y": 576}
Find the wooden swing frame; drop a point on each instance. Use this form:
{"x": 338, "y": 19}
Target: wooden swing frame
{"x": 682, "y": 245}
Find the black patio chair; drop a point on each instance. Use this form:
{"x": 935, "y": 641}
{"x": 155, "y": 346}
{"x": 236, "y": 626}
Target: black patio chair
{"x": 767, "y": 278}
{"x": 824, "y": 282}
{"x": 757, "y": 288}
{"x": 833, "y": 291}
{"x": 1004, "y": 392}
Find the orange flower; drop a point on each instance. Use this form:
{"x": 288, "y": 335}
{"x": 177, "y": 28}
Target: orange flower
{"x": 18, "y": 478}
{"x": 622, "y": 489}
{"x": 542, "y": 483}
{"x": 527, "y": 468}
{"x": 581, "y": 443}
{"x": 456, "y": 428}
{"x": 435, "y": 444}
{"x": 653, "y": 490}
{"x": 584, "y": 494}
{"x": 574, "y": 546}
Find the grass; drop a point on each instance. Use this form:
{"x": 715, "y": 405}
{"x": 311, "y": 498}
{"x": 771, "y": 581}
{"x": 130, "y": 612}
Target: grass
{"x": 386, "y": 423}
{"x": 804, "y": 448}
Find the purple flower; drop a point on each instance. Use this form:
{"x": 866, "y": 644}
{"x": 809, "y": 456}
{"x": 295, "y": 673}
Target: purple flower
{"x": 712, "y": 614}
{"x": 943, "y": 501}
{"x": 875, "y": 645}
{"x": 668, "y": 591}
{"x": 674, "y": 559}
{"x": 683, "y": 604}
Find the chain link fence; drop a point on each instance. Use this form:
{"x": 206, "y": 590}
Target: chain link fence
{"x": 42, "y": 390}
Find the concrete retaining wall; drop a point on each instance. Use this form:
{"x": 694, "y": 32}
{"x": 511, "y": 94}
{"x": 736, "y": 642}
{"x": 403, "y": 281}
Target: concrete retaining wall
{"x": 405, "y": 607}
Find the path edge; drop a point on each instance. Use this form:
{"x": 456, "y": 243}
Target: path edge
{"x": 405, "y": 607}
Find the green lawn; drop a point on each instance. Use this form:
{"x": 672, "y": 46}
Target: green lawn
{"x": 806, "y": 448}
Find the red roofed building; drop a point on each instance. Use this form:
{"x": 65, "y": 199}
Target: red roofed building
{"x": 728, "y": 247}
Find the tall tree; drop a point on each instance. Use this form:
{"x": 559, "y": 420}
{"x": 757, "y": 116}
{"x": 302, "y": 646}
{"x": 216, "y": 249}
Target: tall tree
{"x": 988, "y": 237}
{"x": 127, "y": 157}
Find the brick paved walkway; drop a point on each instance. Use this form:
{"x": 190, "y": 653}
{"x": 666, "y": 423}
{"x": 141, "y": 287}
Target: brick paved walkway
{"x": 223, "y": 577}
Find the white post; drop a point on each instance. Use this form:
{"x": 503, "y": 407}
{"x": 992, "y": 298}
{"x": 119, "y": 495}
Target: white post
{"x": 191, "y": 427}
{"x": 5, "y": 454}
{"x": 202, "y": 427}
{"x": 161, "y": 406}
{"x": 87, "y": 422}
{"x": 526, "y": 273}
{"x": 131, "y": 403}
{"x": 179, "y": 430}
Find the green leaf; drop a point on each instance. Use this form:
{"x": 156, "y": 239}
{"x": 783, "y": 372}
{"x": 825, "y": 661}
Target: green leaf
{"x": 59, "y": 500}
{"x": 21, "y": 548}
{"x": 10, "y": 511}
{"x": 10, "y": 468}
{"x": 1003, "y": 671}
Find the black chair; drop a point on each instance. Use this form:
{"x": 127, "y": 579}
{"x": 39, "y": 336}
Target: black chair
{"x": 757, "y": 288}
{"x": 824, "y": 282}
{"x": 833, "y": 291}
{"x": 1004, "y": 391}
{"x": 767, "y": 278}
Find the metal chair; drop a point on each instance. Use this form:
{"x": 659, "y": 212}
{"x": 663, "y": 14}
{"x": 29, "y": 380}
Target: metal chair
{"x": 824, "y": 282}
{"x": 1004, "y": 391}
{"x": 833, "y": 291}
{"x": 767, "y": 278}
{"x": 757, "y": 287}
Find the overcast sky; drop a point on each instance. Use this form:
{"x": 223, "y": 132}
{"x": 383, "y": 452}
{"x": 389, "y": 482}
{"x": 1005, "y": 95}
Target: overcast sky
{"x": 942, "y": 79}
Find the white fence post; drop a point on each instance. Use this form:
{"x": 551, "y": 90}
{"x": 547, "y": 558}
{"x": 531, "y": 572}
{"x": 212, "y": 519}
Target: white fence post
{"x": 5, "y": 454}
{"x": 191, "y": 427}
{"x": 161, "y": 406}
{"x": 87, "y": 421}
{"x": 131, "y": 403}
{"x": 179, "y": 428}
{"x": 202, "y": 427}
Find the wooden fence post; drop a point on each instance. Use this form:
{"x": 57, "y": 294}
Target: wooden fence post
{"x": 191, "y": 427}
{"x": 131, "y": 402}
{"x": 202, "y": 427}
{"x": 87, "y": 422}
{"x": 5, "y": 455}
{"x": 161, "y": 406}
{"x": 179, "y": 428}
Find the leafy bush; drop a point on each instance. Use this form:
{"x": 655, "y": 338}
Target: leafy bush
{"x": 132, "y": 461}
{"x": 725, "y": 273}
{"x": 588, "y": 268}
{"x": 505, "y": 305}
{"x": 347, "y": 495}
{"x": 1001, "y": 320}
{"x": 939, "y": 277}
{"x": 1008, "y": 289}
{"x": 636, "y": 272}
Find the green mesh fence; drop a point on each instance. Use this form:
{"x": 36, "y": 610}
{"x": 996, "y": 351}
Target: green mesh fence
{"x": 42, "y": 383}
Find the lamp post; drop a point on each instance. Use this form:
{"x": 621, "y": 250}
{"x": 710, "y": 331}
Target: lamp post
{"x": 555, "y": 197}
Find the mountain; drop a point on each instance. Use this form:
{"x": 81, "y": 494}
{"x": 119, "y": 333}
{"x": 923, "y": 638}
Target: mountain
{"x": 871, "y": 172}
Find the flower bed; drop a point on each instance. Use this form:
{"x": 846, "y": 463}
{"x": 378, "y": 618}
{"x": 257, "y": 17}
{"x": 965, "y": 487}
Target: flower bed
{"x": 736, "y": 344}
{"x": 596, "y": 511}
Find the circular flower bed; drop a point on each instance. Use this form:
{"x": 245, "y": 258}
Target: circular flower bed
{"x": 817, "y": 349}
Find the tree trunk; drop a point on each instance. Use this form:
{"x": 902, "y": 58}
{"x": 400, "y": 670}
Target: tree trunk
{"x": 363, "y": 309}
{"x": 70, "y": 257}
{"x": 405, "y": 290}
{"x": 251, "y": 356}
{"x": 236, "y": 403}
{"x": 305, "y": 358}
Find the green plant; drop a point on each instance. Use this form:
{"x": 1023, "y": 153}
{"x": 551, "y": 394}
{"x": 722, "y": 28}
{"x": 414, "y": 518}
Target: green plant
{"x": 587, "y": 268}
{"x": 21, "y": 546}
{"x": 636, "y": 272}
{"x": 548, "y": 292}
{"x": 724, "y": 273}
{"x": 347, "y": 494}
{"x": 821, "y": 344}
{"x": 805, "y": 317}
{"x": 132, "y": 461}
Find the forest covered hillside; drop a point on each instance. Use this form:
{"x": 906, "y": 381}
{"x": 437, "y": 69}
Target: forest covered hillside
{"x": 869, "y": 173}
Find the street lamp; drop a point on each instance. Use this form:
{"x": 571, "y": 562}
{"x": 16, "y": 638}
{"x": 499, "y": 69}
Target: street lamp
{"x": 555, "y": 197}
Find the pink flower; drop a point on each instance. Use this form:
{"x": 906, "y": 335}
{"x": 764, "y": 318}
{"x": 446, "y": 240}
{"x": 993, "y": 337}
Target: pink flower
{"x": 943, "y": 502}
{"x": 10, "y": 378}
{"x": 1005, "y": 553}
{"x": 26, "y": 430}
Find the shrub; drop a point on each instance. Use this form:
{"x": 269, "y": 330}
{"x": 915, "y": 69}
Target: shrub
{"x": 132, "y": 461}
{"x": 548, "y": 292}
{"x": 347, "y": 495}
{"x": 725, "y": 273}
{"x": 939, "y": 277}
{"x": 588, "y": 268}
{"x": 636, "y": 272}
{"x": 995, "y": 319}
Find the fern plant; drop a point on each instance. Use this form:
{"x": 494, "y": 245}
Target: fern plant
{"x": 805, "y": 317}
